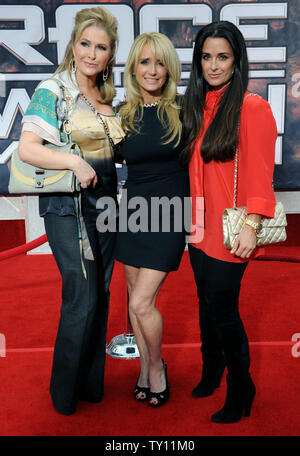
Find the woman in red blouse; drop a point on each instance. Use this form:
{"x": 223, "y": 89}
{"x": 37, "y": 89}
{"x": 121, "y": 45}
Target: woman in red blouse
{"x": 219, "y": 116}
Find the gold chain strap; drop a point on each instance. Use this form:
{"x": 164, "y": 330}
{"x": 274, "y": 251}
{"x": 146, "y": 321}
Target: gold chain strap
{"x": 236, "y": 158}
{"x": 98, "y": 116}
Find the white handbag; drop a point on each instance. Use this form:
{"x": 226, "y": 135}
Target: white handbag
{"x": 28, "y": 179}
{"x": 272, "y": 229}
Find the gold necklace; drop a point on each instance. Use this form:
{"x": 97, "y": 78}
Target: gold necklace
{"x": 150, "y": 105}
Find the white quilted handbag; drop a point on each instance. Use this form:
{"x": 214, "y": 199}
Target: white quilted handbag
{"x": 272, "y": 229}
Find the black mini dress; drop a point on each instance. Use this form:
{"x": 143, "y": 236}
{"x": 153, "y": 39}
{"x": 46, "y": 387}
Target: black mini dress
{"x": 155, "y": 199}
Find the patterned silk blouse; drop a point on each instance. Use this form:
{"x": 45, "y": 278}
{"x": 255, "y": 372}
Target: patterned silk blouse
{"x": 44, "y": 116}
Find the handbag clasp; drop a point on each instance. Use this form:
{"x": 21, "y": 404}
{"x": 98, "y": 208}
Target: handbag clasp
{"x": 39, "y": 179}
{"x": 39, "y": 182}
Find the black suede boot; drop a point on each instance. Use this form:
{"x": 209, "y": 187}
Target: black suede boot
{"x": 211, "y": 378}
{"x": 240, "y": 387}
{"x": 212, "y": 354}
{"x": 238, "y": 401}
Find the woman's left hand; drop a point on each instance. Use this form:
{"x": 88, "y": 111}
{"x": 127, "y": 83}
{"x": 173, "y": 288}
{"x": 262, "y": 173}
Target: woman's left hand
{"x": 245, "y": 243}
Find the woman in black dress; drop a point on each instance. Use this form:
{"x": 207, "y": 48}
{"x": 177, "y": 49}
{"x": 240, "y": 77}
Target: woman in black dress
{"x": 151, "y": 237}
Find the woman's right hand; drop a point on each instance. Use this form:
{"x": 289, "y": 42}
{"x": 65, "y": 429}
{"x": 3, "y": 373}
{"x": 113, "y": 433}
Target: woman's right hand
{"x": 245, "y": 243}
{"x": 84, "y": 172}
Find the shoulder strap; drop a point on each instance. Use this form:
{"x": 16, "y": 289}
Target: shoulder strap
{"x": 68, "y": 99}
{"x": 111, "y": 143}
{"x": 249, "y": 94}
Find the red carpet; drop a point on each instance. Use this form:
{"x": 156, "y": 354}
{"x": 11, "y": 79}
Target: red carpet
{"x": 30, "y": 300}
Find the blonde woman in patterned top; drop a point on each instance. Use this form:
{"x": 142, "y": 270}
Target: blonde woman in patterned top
{"x": 86, "y": 74}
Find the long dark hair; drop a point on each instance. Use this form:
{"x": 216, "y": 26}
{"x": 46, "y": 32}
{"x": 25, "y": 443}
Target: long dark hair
{"x": 220, "y": 140}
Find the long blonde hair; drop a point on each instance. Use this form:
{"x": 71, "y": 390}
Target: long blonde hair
{"x": 102, "y": 19}
{"x": 168, "y": 110}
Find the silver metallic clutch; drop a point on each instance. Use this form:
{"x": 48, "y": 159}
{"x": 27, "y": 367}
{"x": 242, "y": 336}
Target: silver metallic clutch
{"x": 273, "y": 230}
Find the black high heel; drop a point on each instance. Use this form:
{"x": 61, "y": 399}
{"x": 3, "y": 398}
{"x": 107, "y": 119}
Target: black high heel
{"x": 164, "y": 395}
{"x": 239, "y": 400}
{"x": 141, "y": 389}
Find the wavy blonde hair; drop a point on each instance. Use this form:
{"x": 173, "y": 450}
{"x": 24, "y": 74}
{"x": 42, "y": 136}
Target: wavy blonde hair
{"x": 168, "y": 110}
{"x": 101, "y": 18}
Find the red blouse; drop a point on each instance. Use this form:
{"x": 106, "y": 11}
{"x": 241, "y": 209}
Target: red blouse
{"x": 213, "y": 182}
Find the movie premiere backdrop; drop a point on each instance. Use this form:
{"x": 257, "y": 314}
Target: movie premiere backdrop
{"x": 34, "y": 34}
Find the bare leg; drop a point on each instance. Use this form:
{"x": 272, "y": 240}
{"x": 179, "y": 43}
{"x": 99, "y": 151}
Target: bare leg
{"x": 144, "y": 285}
{"x": 143, "y": 380}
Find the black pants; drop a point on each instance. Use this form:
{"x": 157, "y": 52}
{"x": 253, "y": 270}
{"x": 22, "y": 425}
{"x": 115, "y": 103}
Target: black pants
{"x": 79, "y": 353}
{"x": 221, "y": 328}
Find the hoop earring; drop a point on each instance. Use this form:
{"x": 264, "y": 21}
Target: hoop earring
{"x": 105, "y": 74}
{"x": 73, "y": 67}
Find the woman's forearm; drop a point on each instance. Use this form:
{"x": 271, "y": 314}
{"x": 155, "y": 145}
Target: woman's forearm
{"x": 31, "y": 150}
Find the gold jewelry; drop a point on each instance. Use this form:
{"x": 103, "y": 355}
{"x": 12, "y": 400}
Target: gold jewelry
{"x": 150, "y": 105}
{"x": 73, "y": 67}
{"x": 255, "y": 225}
{"x": 99, "y": 118}
{"x": 105, "y": 74}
